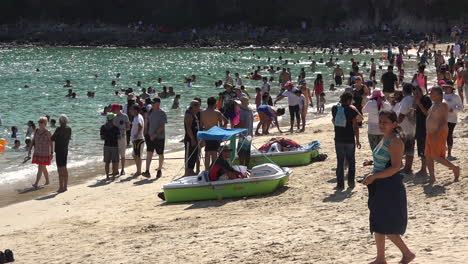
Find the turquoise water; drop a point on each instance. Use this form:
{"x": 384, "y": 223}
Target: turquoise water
{"x": 46, "y": 94}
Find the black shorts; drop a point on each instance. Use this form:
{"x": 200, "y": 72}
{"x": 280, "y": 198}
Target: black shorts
{"x": 294, "y": 111}
{"x": 138, "y": 147}
{"x": 212, "y": 145}
{"x": 338, "y": 80}
{"x": 61, "y": 158}
{"x": 372, "y": 73}
{"x": 155, "y": 145}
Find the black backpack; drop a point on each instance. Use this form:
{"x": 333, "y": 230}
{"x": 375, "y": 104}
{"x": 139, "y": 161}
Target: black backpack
{"x": 2, "y": 258}
{"x": 9, "y": 256}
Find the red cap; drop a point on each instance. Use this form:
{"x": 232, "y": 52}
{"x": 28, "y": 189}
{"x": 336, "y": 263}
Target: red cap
{"x": 115, "y": 107}
{"x": 288, "y": 84}
{"x": 441, "y": 82}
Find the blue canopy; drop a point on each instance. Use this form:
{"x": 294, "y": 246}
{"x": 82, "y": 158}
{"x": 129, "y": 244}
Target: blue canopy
{"x": 219, "y": 134}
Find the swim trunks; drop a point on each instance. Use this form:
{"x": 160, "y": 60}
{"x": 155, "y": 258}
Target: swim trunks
{"x": 61, "y": 158}
{"x": 338, "y": 80}
{"x": 138, "y": 147}
{"x": 435, "y": 144}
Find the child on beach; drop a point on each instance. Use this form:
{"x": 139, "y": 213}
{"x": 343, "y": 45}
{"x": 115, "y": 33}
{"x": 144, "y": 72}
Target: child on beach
{"x": 322, "y": 103}
{"x": 258, "y": 96}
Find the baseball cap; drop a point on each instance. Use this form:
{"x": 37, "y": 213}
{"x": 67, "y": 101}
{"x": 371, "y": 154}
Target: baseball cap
{"x": 156, "y": 100}
{"x": 115, "y": 107}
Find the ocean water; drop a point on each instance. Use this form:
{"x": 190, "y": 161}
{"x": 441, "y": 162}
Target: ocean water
{"x": 46, "y": 94}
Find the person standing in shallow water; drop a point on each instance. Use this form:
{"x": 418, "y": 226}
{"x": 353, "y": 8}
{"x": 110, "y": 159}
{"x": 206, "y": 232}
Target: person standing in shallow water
{"x": 387, "y": 195}
{"x": 43, "y": 151}
{"x": 61, "y": 137}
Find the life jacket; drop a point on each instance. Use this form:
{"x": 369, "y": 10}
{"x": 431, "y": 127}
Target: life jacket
{"x": 286, "y": 144}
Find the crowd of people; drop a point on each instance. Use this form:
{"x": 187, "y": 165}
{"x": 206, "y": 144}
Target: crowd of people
{"x": 418, "y": 118}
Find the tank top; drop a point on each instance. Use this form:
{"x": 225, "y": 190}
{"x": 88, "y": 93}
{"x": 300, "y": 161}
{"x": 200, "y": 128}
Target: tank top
{"x": 420, "y": 80}
{"x": 381, "y": 155}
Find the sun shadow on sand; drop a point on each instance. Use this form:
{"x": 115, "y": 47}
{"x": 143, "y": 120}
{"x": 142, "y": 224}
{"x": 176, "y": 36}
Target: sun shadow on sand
{"x": 99, "y": 183}
{"x": 145, "y": 181}
{"x": 30, "y": 189}
{"x": 434, "y": 190}
{"x": 415, "y": 179}
{"x": 129, "y": 178}
{"x": 47, "y": 197}
{"x": 339, "y": 196}
{"x": 219, "y": 203}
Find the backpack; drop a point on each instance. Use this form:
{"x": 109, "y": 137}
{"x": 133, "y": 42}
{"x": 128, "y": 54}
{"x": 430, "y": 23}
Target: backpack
{"x": 9, "y": 256}
{"x": 340, "y": 117}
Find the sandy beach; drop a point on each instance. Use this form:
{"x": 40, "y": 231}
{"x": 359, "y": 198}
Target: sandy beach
{"x": 306, "y": 222}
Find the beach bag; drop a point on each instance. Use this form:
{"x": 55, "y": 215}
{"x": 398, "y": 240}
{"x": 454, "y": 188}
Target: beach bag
{"x": 340, "y": 117}
{"x": 9, "y": 256}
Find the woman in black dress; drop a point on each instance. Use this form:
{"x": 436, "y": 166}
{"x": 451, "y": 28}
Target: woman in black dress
{"x": 387, "y": 194}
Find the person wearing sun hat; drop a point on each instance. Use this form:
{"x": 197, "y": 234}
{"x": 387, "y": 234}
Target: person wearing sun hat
{"x": 455, "y": 105}
{"x": 374, "y": 105}
{"x": 110, "y": 134}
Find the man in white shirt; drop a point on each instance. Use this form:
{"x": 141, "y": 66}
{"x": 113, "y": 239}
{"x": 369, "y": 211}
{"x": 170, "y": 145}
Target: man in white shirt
{"x": 265, "y": 86}
{"x": 293, "y": 101}
{"x": 407, "y": 120}
{"x": 137, "y": 137}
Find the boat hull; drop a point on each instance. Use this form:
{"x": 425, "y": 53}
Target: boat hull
{"x": 282, "y": 159}
{"x": 217, "y": 192}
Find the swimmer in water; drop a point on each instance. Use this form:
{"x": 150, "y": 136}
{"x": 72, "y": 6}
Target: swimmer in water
{"x": 68, "y": 84}
{"x": 175, "y": 104}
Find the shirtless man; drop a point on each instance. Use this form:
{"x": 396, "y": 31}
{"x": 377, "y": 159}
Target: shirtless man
{"x": 209, "y": 118}
{"x": 284, "y": 77}
{"x": 437, "y": 132}
{"x": 338, "y": 75}
{"x": 229, "y": 78}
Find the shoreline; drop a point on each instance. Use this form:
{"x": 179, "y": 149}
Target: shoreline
{"x": 302, "y": 223}
{"x": 21, "y": 190}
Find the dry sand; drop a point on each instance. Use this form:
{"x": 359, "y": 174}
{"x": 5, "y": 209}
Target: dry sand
{"x": 307, "y": 222}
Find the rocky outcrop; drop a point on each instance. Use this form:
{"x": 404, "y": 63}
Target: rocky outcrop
{"x": 424, "y": 15}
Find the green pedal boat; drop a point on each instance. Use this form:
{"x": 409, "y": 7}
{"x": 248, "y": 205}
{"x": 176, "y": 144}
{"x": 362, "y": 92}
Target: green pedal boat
{"x": 263, "y": 179}
{"x": 283, "y": 158}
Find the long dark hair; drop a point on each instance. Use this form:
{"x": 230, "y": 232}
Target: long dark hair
{"x": 319, "y": 79}
{"x": 392, "y": 116}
